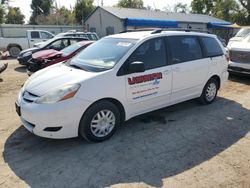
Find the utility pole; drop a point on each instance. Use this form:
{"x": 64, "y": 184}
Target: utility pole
{"x": 102, "y": 3}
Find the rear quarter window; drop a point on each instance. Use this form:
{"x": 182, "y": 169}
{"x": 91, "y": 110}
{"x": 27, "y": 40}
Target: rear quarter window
{"x": 211, "y": 47}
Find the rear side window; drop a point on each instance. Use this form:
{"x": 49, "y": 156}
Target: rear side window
{"x": 35, "y": 35}
{"x": 184, "y": 48}
{"x": 152, "y": 53}
{"x": 211, "y": 46}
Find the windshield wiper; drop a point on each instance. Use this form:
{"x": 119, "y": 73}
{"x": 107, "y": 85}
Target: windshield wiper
{"x": 77, "y": 66}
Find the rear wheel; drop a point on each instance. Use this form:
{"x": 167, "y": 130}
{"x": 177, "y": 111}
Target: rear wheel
{"x": 209, "y": 92}
{"x": 14, "y": 51}
{"x": 99, "y": 122}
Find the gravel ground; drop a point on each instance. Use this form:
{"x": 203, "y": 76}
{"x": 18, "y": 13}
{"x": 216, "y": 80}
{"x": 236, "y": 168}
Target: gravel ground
{"x": 185, "y": 145}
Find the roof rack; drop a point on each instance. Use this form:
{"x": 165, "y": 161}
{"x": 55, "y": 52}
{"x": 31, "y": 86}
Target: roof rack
{"x": 179, "y": 29}
{"x": 140, "y": 29}
{"x": 159, "y": 30}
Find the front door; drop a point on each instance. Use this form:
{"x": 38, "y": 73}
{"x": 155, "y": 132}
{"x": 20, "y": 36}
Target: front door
{"x": 151, "y": 89}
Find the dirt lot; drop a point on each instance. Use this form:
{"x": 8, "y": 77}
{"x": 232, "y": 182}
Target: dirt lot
{"x": 186, "y": 145}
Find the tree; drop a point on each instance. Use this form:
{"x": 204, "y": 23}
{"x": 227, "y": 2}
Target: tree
{"x": 246, "y": 6}
{"x": 202, "y": 6}
{"x": 181, "y": 8}
{"x": 40, "y": 7}
{"x": 131, "y": 4}
{"x": 4, "y": 1}
{"x": 14, "y": 16}
{"x": 82, "y": 9}
{"x": 1, "y": 14}
{"x": 225, "y": 9}
{"x": 59, "y": 16}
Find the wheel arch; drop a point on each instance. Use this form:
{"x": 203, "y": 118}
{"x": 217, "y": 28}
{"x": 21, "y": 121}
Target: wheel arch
{"x": 14, "y": 45}
{"x": 116, "y": 102}
{"x": 217, "y": 78}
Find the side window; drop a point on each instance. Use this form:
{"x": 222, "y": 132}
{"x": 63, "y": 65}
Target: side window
{"x": 152, "y": 53}
{"x": 73, "y": 41}
{"x": 35, "y": 35}
{"x": 212, "y": 47}
{"x": 184, "y": 48}
{"x": 46, "y": 35}
{"x": 59, "y": 44}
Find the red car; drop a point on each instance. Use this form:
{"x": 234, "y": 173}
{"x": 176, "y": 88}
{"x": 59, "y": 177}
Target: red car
{"x": 46, "y": 58}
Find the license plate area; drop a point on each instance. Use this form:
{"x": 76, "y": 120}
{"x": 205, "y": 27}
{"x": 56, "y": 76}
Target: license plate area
{"x": 18, "y": 109}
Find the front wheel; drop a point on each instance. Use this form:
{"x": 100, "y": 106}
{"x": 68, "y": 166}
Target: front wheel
{"x": 209, "y": 91}
{"x": 99, "y": 122}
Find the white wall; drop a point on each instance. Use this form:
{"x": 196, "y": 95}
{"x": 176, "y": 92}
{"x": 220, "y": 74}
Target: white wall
{"x": 195, "y": 26}
{"x": 15, "y": 30}
{"x": 101, "y": 19}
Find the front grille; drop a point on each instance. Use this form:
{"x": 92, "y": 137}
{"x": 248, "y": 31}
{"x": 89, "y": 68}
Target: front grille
{"x": 29, "y": 97}
{"x": 34, "y": 65}
{"x": 239, "y": 56}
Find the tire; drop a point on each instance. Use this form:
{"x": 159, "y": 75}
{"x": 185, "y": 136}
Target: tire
{"x": 209, "y": 92}
{"x": 99, "y": 122}
{"x": 14, "y": 51}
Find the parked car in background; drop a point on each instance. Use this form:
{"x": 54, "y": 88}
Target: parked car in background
{"x": 119, "y": 77}
{"x": 55, "y": 44}
{"x": 242, "y": 33}
{"x": 88, "y": 35}
{"x": 46, "y": 58}
{"x": 73, "y": 33}
{"x": 16, "y": 44}
{"x": 239, "y": 55}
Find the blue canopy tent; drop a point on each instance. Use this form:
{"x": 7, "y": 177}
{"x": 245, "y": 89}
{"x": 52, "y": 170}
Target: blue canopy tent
{"x": 218, "y": 25}
{"x": 139, "y": 22}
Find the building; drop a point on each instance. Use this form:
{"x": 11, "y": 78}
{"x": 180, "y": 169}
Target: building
{"x": 110, "y": 20}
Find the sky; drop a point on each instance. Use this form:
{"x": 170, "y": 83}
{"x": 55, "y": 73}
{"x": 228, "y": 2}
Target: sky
{"x": 159, "y": 4}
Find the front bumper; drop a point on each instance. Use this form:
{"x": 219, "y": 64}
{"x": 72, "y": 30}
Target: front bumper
{"x": 65, "y": 115}
{"x": 239, "y": 68}
{"x": 23, "y": 60}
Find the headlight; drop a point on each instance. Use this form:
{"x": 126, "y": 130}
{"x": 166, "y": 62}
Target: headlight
{"x": 27, "y": 54}
{"x": 59, "y": 94}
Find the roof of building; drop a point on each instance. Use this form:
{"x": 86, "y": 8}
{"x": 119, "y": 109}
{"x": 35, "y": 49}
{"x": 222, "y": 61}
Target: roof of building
{"x": 123, "y": 13}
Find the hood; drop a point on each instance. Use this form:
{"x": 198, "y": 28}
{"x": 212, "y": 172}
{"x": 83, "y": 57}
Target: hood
{"x": 240, "y": 46}
{"x": 54, "y": 77}
{"x": 29, "y": 50}
{"x": 45, "y": 54}
{"x": 236, "y": 38}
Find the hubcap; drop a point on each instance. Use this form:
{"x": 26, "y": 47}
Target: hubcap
{"x": 211, "y": 92}
{"x": 102, "y": 123}
{"x": 14, "y": 51}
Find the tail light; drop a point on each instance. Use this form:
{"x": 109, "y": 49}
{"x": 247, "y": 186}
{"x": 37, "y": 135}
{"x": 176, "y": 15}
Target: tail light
{"x": 227, "y": 56}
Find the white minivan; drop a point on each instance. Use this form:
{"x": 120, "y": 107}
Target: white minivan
{"x": 119, "y": 77}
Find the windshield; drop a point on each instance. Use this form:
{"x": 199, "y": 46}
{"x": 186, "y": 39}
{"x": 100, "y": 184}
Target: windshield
{"x": 92, "y": 36}
{"x": 243, "y": 32}
{"x": 46, "y": 43}
{"x": 103, "y": 54}
{"x": 70, "y": 49}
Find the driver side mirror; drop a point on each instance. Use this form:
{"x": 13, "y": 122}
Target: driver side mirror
{"x": 136, "y": 67}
